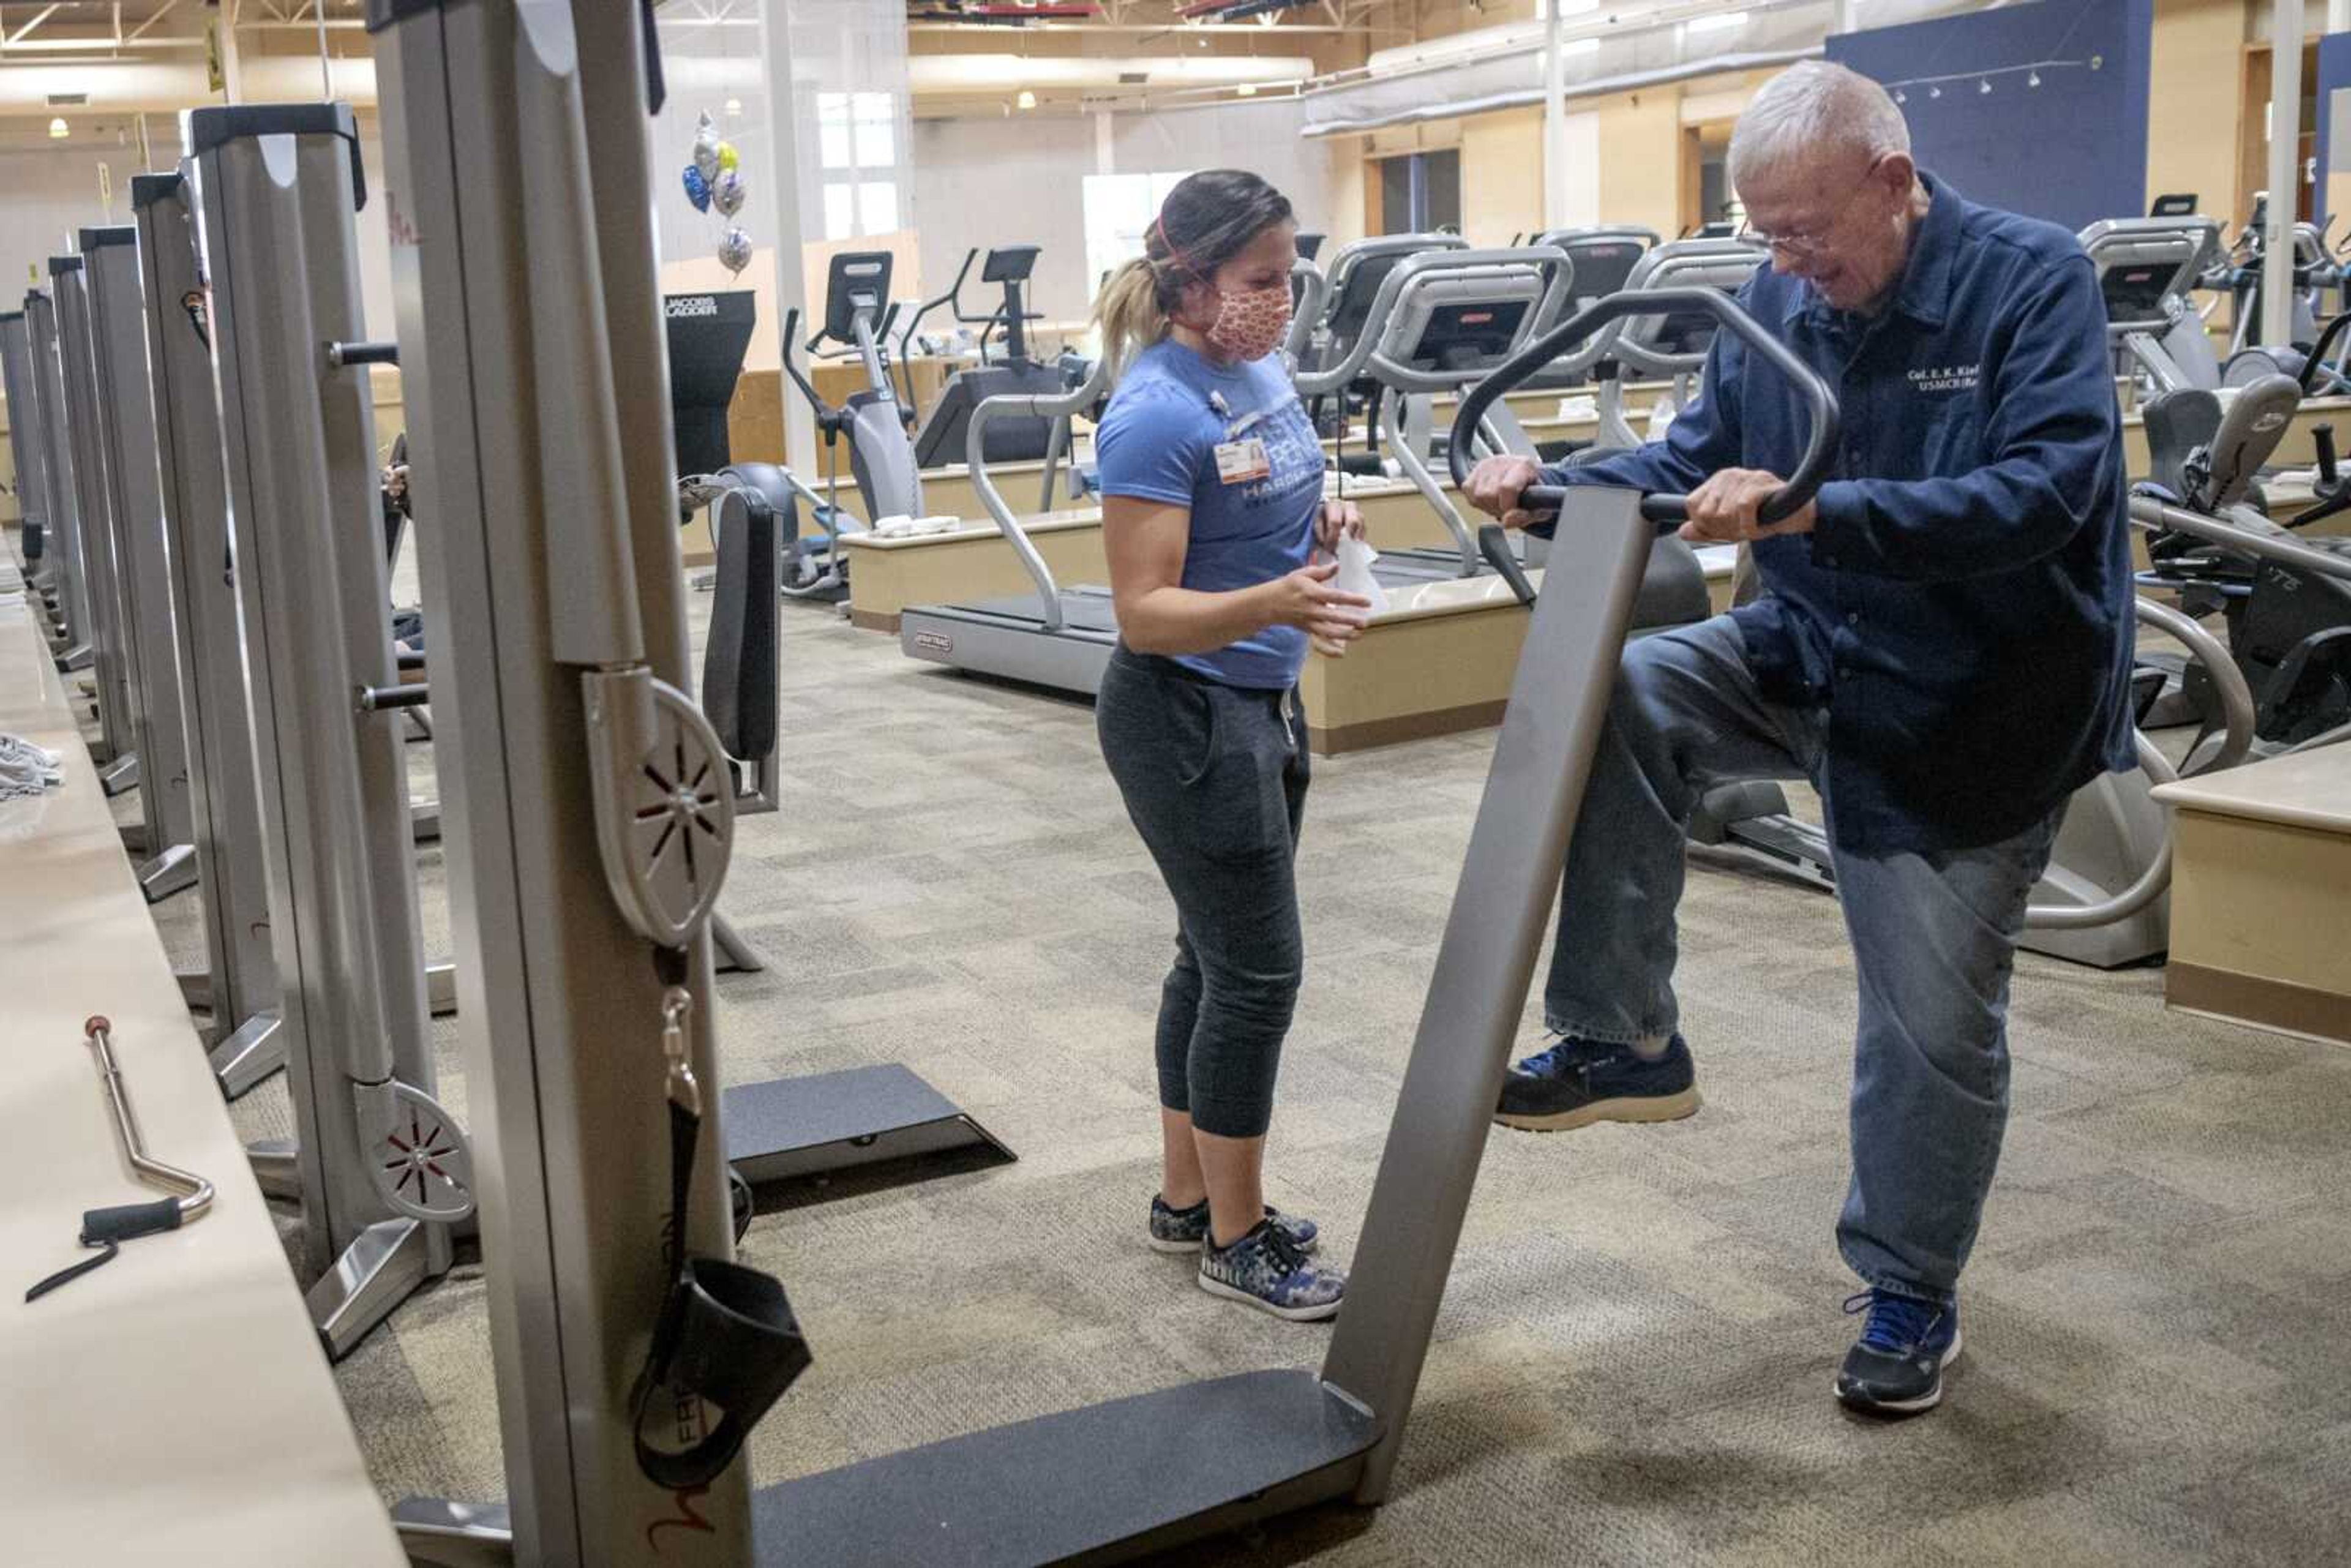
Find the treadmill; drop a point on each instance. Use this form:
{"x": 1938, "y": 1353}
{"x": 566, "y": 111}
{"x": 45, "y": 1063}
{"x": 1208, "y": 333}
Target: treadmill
{"x": 1604, "y": 256}
{"x": 941, "y": 439}
{"x": 1438, "y": 323}
{"x": 1670, "y": 345}
{"x": 1059, "y": 638}
{"x": 2146, "y": 270}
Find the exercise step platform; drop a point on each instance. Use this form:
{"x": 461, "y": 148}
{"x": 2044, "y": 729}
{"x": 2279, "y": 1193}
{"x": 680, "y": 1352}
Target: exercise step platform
{"x": 827, "y": 1121}
{"x": 1079, "y": 1485}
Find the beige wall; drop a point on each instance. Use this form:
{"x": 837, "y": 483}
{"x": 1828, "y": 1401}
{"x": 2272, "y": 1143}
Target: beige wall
{"x": 1641, "y": 159}
{"x": 2196, "y": 80}
{"x": 1501, "y": 175}
{"x": 1639, "y": 166}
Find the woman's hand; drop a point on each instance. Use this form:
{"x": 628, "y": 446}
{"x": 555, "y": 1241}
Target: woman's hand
{"x": 1306, "y": 599}
{"x": 1341, "y": 519}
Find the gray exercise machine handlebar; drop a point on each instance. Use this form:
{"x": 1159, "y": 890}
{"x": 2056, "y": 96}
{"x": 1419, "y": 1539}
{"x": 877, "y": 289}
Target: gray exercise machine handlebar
{"x": 1820, "y": 442}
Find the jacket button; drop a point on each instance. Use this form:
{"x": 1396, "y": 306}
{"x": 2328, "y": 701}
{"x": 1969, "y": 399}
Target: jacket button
{"x": 1852, "y": 617}
{"x": 1845, "y": 672}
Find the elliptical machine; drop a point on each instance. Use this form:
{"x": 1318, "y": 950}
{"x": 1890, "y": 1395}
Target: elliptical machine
{"x": 1017, "y": 374}
{"x": 881, "y": 458}
{"x": 2285, "y": 596}
{"x": 856, "y": 297}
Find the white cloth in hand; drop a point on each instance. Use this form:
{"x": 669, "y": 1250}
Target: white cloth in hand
{"x": 1354, "y": 574}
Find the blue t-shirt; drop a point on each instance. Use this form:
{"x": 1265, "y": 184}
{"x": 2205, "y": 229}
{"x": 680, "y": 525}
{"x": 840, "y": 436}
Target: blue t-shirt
{"x": 1158, "y": 442}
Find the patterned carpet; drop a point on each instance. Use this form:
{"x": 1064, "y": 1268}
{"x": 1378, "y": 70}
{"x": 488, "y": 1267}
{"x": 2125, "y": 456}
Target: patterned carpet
{"x": 1634, "y": 1357}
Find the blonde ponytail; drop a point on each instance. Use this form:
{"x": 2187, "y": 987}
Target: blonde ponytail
{"x": 1128, "y": 318}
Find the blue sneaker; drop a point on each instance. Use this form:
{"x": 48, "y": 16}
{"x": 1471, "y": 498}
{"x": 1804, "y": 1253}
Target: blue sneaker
{"x": 1186, "y": 1229}
{"x": 1897, "y": 1368}
{"x": 1576, "y": 1083}
{"x": 1264, "y": 1270}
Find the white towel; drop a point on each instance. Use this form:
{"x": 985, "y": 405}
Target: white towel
{"x": 1354, "y": 575}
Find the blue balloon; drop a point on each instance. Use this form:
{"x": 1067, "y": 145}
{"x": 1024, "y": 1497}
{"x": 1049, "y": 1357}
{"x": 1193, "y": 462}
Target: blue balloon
{"x": 698, "y": 189}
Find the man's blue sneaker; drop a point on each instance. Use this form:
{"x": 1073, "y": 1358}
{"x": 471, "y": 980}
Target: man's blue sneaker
{"x": 1186, "y": 1229}
{"x": 1897, "y": 1368}
{"x": 1579, "y": 1081}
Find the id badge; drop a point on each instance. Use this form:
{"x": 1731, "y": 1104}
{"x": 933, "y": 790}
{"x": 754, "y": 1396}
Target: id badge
{"x": 1240, "y": 461}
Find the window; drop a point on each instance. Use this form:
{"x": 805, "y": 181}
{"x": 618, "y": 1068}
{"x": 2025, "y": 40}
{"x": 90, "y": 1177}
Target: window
{"x": 857, "y": 138}
{"x": 875, "y": 121}
{"x": 1420, "y": 191}
{"x": 1119, "y": 211}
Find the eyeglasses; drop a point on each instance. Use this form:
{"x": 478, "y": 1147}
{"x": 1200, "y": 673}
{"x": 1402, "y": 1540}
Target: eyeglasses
{"x": 1804, "y": 246}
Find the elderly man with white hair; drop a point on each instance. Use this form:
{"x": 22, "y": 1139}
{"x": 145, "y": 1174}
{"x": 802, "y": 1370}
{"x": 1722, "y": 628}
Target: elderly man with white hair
{"x": 1942, "y": 647}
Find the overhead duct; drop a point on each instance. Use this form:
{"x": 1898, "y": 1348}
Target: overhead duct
{"x": 1619, "y": 51}
{"x": 1004, "y": 73}
{"x": 167, "y": 87}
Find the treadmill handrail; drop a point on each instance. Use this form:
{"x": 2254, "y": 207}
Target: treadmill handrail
{"x": 1820, "y": 443}
{"x": 1030, "y": 405}
{"x": 1323, "y": 383}
{"x": 1306, "y": 310}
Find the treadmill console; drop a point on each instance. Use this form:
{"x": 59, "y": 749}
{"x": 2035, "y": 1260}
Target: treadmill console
{"x": 1009, "y": 264}
{"x": 856, "y": 282}
{"x": 2146, "y": 267}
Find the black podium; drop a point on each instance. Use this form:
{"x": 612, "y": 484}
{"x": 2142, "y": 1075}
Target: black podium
{"x": 708, "y": 334}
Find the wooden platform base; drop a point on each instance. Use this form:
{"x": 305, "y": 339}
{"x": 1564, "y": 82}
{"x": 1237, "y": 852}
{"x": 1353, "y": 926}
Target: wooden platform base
{"x": 2261, "y": 870}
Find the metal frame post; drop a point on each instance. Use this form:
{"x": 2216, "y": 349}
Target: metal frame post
{"x": 534, "y": 367}
{"x": 225, "y": 792}
{"x": 110, "y": 631}
{"x": 57, "y": 472}
{"x": 2285, "y": 170}
{"x": 134, "y": 499}
{"x": 277, "y": 189}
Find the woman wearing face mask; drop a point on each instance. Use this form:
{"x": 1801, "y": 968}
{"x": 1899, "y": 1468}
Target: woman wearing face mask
{"x": 1211, "y": 477}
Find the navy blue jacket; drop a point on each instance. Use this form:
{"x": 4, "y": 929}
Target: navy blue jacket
{"x": 1962, "y": 608}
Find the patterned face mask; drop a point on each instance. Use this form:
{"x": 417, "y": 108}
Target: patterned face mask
{"x": 1249, "y": 324}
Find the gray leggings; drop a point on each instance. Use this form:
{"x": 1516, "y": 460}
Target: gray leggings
{"x": 1215, "y": 779}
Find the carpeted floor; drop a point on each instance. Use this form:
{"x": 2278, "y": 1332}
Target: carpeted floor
{"x": 1633, "y": 1358}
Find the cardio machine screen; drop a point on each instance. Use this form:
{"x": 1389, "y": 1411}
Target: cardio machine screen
{"x": 1463, "y": 337}
{"x": 2137, "y": 293}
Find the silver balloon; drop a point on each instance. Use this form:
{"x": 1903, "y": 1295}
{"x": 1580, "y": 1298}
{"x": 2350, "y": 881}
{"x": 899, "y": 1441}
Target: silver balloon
{"x": 735, "y": 251}
{"x": 726, "y": 192}
{"x": 705, "y": 147}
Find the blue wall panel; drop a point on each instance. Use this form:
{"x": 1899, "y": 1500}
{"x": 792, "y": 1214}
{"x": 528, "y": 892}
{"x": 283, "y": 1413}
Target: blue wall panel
{"x": 2334, "y": 75}
{"x": 2072, "y": 150}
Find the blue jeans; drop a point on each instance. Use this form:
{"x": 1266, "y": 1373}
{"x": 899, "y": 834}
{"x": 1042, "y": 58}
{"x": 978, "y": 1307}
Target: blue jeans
{"x": 1934, "y": 937}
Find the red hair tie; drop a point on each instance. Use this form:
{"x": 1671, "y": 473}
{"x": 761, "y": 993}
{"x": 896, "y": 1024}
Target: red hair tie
{"x": 1160, "y": 223}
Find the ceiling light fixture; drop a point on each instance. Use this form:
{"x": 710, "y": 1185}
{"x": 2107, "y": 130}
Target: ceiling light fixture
{"x": 1026, "y": 99}
{"x": 1247, "y": 90}
{"x": 59, "y": 129}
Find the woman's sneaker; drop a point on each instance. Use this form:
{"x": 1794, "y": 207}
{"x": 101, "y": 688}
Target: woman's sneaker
{"x": 1896, "y": 1369}
{"x": 1186, "y": 1229}
{"x": 1270, "y": 1274}
{"x": 1579, "y": 1081}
